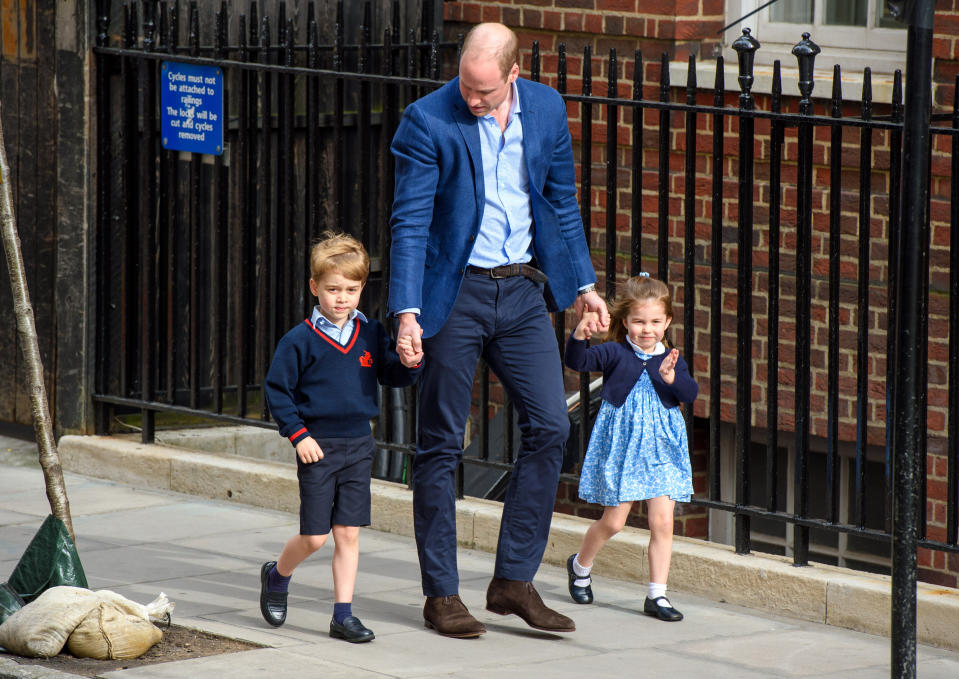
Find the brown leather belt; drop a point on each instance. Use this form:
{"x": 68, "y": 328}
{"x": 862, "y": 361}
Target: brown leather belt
{"x": 510, "y": 270}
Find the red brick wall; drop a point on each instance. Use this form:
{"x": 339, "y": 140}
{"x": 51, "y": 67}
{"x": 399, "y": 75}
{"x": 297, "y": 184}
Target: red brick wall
{"x": 945, "y": 52}
{"x": 679, "y": 27}
{"x": 688, "y": 27}
{"x": 939, "y": 567}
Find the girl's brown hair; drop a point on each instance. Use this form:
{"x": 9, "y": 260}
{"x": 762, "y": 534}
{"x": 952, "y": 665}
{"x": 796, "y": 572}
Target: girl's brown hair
{"x": 637, "y": 289}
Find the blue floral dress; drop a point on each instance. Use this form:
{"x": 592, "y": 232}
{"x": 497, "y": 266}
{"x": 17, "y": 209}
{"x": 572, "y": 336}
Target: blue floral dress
{"x": 637, "y": 451}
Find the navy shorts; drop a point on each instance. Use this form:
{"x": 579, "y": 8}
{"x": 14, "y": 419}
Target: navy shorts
{"x": 336, "y": 489}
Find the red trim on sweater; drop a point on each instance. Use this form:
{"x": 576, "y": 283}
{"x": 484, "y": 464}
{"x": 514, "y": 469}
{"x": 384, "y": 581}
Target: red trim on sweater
{"x": 342, "y": 349}
{"x": 293, "y": 436}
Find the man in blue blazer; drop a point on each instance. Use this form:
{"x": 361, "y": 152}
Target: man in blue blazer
{"x": 487, "y": 239}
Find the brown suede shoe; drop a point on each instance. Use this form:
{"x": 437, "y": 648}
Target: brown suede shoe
{"x": 515, "y": 596}
{"x": 448, "y": 616}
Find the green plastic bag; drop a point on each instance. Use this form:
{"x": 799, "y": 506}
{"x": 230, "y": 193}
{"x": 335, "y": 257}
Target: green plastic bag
{"x": 10, "y": 601}
{"x": 50, "y": 559}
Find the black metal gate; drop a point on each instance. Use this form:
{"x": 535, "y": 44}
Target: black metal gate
{"x": 201, "y": 260}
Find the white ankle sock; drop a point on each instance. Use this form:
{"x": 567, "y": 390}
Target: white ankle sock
{"x": 656, "y": 590}
{"x": 582, "y": 571}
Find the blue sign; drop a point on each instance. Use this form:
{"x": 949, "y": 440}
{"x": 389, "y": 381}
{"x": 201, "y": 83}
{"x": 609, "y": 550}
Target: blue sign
{"x": 191, "y": 108}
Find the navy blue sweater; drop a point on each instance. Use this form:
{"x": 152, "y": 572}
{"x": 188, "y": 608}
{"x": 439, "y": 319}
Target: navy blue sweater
{"x": 317, "y": 387}
{"x": 622, "y": 368}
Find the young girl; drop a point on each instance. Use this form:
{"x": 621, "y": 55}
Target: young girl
{"x": 638, "y": 448}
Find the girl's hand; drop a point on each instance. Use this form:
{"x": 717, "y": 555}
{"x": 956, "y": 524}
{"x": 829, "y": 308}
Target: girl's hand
{"x": 308, "y": 450}
{"x": 589, "y": 324}
{"x": 667, "y": 367}
{"x": 591, "y": 301}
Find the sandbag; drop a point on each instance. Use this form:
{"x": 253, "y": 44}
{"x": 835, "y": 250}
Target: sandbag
{"x": 158, "y": 610}
{"x": 10, "y": 601}
{"x": 50, "y": 560}
{"x": 119, "y": 628}
{"x": 40, "y": 629}
{"x": 112, "y": 631}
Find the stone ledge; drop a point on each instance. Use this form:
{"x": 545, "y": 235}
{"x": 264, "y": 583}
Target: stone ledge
{"x": 10, "y": 669}
{"x": 818, "y": 593}
{"x": 243, "y": 440}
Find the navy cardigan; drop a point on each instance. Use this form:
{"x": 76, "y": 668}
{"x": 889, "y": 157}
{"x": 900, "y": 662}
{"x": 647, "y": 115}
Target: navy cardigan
{"x": 621, "y": 369}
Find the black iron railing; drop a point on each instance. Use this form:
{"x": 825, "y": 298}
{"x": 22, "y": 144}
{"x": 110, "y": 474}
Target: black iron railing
{"x": 774, "y": 218}
{"x": 203, "y": 259}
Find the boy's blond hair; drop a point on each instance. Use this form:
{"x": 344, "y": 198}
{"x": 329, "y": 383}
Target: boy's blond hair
{"x": 340, "y": 253}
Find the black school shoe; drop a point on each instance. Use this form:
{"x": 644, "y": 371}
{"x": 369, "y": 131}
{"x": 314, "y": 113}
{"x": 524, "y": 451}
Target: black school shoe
{"x": 581, "y": 595}
{"x": 272, "y": 604}
{"x": 351, "y": 629}
{"x": 662, "y": 609}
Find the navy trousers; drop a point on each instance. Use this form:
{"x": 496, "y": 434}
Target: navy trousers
{"x": 506, "y": 322}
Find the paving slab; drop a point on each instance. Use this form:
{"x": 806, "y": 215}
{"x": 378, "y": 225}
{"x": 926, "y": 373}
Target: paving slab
{"x": 205, "y": 554}
{"x": 248, "y": 665}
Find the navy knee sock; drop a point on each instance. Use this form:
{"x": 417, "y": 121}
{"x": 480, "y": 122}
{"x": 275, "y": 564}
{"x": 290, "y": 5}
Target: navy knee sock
{"x": 342, "y": 611}
{"x": 276, "y": 582}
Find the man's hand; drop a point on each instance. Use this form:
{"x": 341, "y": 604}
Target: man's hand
{"x": 408, "y": 338}
{"x": 591, "y": 301}
{"x": 308, "y": 450}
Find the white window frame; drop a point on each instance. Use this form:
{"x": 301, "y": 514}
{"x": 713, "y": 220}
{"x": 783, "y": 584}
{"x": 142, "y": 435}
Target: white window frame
{"x": 883, "y": 50}
{"x": 722, "y": 523}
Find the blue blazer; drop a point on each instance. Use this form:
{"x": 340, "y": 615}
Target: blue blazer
{"x": 439, "y": 199}
{"x": 622, "y": 368}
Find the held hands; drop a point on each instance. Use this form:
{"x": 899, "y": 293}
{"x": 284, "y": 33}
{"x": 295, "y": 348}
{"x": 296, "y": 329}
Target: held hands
{"x": 409, "y": 357}
{"x": 308, "y": 450}
{"x": 592, "y": 302}
{"x": 588, "y": 324}
{"x": 667, "y": 368}
{"x": 409, "y": 345}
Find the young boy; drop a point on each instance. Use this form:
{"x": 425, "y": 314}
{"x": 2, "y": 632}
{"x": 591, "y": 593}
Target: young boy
{"x": 322, "y": 392}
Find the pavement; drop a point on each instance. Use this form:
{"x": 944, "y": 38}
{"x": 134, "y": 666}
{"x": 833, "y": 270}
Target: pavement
{"x": 205, "y": 554}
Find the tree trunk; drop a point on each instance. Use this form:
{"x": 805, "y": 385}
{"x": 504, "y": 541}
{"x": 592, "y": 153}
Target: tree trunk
{"x": 27, "y": 331}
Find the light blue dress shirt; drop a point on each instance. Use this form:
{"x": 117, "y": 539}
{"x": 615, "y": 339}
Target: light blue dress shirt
{"x": 505, "y": 233}
{"x": 331, "y": 329}
{"x": 506, "y": 228}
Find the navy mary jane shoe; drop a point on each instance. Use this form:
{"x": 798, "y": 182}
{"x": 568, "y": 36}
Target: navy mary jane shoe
{"x": 662, "y": 609}
{"x": 581, "y": 595}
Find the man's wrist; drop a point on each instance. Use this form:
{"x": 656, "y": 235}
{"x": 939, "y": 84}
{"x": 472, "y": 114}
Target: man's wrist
{"x": 586, "y": 288}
